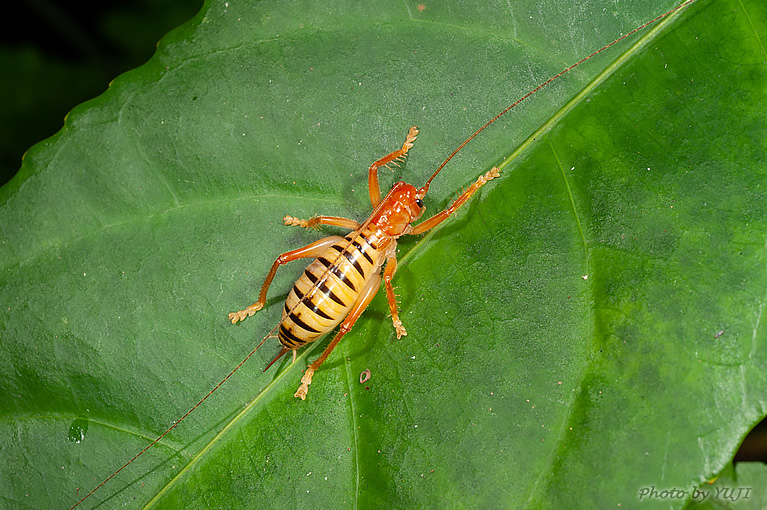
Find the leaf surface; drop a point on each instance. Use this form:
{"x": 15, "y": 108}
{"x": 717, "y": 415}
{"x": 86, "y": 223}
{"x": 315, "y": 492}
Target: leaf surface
{"x": 590, "y": 324}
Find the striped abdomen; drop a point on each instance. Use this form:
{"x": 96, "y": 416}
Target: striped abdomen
{"x": 325, "y": 293}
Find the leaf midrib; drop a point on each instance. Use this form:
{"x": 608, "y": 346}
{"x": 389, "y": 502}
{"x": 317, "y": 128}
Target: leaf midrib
{"x": 239, "y": 416}
{"x": 559, "y": 114}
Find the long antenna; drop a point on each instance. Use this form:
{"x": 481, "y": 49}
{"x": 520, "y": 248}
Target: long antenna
{"x": 539, "y": 87}
{"x": 175, "y": 424}
{"x": 478, "y": 131}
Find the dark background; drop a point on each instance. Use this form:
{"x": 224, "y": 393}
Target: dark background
{"x": 56, "y": 55}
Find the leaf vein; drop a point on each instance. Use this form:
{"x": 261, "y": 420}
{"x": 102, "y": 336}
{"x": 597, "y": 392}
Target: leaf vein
{"x": 753, "y": 28}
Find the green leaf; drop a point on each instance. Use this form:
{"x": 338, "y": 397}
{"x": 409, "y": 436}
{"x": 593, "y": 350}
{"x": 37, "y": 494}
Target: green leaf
{"x": 587, "y": 326}
{"x": 742, "y": 486}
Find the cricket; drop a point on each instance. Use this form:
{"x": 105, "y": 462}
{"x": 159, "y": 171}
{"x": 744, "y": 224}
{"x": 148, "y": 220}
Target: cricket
{"x": 347, "y": 272}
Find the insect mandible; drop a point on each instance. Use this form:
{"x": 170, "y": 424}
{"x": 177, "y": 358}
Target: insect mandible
{"x": 346, "y": 273}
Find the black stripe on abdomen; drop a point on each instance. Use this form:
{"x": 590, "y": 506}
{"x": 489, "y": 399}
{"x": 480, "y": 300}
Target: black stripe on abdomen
{"x": 310, "y": 304}
{"x": 287, "y": 336}
{"x": 339, "y": 274}
{"x": 301, "y": 324}
{"x": 323, "y": 287}
{"x": 362, "y": 248}
{"x": 353, "y": 256}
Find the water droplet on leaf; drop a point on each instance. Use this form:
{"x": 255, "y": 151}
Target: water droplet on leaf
{"x": 77, "y": 430}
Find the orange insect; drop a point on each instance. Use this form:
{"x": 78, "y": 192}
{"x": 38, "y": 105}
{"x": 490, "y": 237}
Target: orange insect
{"x": 341, "y": 282}
{"x": 346, "y": 274}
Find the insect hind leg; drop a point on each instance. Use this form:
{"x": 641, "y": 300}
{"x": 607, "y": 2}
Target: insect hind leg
{"x": 366, "y": 296}
{"x": 312, "y": 250}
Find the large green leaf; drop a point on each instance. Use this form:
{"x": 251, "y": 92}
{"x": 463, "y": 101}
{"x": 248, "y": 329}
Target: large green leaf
{"x": 588, "y": 326}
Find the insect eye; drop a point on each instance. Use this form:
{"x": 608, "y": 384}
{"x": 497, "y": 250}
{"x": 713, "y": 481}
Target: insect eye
{"x": 419, "y": 202}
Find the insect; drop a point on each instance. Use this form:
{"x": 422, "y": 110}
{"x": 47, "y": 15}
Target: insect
{"x": 337, "y": 287}
{"x": 346, "y": 273}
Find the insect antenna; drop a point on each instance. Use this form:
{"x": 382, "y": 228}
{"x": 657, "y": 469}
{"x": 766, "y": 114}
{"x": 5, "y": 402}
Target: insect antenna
{"x": 539, "y": 87}
{"x": 175, "y": 423}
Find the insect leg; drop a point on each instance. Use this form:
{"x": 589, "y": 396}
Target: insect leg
{"x": 313, "y": 250}
{"x": 316, "y": 221}
{"x": 398, "y": 155}
{"x": 391, "y": 268}
{"x": 440, "y": 217}
{"x": 366, "y": 296}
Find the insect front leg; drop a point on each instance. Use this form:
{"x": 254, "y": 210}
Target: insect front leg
{"x": 313, "y": 250}
{"x": 391, "y": 268}
{"x": 366, "y": 296}
{"x": 398, "y": 155}
{"x": 466, "y": 195}
{"x": 316, "y": 221}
